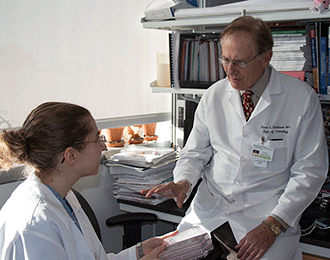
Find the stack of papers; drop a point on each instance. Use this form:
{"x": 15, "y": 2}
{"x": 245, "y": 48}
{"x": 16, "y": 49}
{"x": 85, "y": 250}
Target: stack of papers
{"x": 193, "y": 243}
{"x": 128, "y": 182}
{"x": 134, "y": 169}
{"x": 165, "y": 9}
{"x": 143, "y": 156}
{"x": 291, "y": 50}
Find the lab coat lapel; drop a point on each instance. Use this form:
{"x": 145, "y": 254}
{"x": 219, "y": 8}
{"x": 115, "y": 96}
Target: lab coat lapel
{"x": 235, "y": 101}
{"x": 273, "y": 87}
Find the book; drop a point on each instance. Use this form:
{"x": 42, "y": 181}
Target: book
{"x": 296, "y": 74}
{"x": 193, "y": 243}
{"x": 312, "y": 33}
{"x": 225, "y": 236}
{"x": 328, "y": 51}
{"x": 289, "y": 51}
{"x": 323, "y": 85}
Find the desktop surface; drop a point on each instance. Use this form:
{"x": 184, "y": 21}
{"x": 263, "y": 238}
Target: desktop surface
{"x": 167, "y": 206}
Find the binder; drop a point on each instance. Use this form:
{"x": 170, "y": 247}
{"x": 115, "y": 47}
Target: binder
{"x": 174, "y": 39}
{"x": 323, "y": 88}
{"x": 314, "y": 59}
{"x": 194, "y": 60}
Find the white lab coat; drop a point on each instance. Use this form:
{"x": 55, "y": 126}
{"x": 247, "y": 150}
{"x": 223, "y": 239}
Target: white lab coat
{"x": 219, "y": 149}
{"x": 34, "y": 225}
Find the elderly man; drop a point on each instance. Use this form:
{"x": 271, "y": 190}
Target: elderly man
{"x": 258, "y": 143}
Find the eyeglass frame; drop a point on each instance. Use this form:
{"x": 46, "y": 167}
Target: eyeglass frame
{"x": 239, "y": 63}
{"x": 101, "y": 139}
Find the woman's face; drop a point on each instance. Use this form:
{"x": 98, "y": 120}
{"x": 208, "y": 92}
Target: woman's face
{"x": 89, "y": 157}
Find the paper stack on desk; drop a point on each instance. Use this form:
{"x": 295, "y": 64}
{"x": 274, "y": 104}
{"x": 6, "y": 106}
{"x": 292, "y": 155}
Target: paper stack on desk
{"x": 143, "y": 156}
{"x": 128, "y": 181}
{"x": 193, "y": 243}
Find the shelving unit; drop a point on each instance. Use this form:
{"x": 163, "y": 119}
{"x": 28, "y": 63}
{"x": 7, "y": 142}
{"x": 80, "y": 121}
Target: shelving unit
{"x": 199, "y": 23}
{"x": 156, "y": 89}
{"x": 214, "y": 22}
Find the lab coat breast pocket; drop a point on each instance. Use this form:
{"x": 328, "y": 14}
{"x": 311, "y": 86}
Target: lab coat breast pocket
{"x": 281, "y": 158}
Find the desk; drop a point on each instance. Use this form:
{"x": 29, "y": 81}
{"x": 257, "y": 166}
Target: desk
{"x": 168, "y": 211}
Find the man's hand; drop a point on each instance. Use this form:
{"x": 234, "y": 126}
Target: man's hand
{"x": 256, "y": 242}
{"x": 170, "y": 190}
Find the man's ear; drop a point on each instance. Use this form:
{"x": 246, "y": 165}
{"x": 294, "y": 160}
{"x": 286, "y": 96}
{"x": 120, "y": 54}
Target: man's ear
{"x": 267, "y": 56}
{"x": 70, "y": 155}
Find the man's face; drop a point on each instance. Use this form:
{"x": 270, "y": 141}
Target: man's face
{"x": 239, "y": 46}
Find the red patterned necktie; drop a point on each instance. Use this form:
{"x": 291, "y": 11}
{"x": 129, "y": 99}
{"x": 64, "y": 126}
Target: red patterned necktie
{"x": 247, "y": 103}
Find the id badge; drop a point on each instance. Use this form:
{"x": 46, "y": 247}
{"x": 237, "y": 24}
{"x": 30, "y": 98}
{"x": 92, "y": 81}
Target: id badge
{"x": 262, "y": 155}
{"x": 262, "y": 152}
{"x": 260, "y": 163}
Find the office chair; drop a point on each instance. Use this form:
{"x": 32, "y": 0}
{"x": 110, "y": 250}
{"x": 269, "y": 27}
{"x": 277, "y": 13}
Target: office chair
{"x": 89, "y": 212}
{"x": 132, "y": 224}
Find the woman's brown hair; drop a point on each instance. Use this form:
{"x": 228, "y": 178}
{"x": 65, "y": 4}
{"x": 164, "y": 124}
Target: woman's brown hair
{"x": 46, "y": 132}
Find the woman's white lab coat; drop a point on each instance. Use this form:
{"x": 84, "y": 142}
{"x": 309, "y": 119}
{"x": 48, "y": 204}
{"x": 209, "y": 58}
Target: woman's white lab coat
{"x": 288, "y": 119}
{"x": 34, "y": 225}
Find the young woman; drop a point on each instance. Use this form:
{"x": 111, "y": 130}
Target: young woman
{"x": 43, "y": 219}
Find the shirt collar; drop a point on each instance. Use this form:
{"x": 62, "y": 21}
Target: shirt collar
{"x": 66, "y": 206}
{"x": 260, "y": 86}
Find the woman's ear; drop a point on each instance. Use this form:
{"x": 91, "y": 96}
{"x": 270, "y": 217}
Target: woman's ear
{"x": 70, "y": 155}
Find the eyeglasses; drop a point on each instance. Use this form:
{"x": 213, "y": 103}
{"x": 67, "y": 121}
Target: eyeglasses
{"x": 101, "y": 139}
{"x": 239, "y": 63}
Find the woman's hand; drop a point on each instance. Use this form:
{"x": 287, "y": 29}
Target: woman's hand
{"x": 153, "y": 246}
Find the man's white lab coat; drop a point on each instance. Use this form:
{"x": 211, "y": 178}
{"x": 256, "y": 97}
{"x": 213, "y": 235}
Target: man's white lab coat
{"x": 288, "y": 119}
{"x": 34, "y": 225}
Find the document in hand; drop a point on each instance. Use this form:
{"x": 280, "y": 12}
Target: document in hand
{"x": 193, "y": 243}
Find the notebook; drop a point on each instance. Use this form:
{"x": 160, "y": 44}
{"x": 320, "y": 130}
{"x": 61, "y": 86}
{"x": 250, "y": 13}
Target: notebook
{"x": 224, "y": 235}
{"x": 193, "y": 243}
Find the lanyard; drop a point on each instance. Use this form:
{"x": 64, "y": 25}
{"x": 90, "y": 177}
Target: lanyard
{"x": 66, "y": 206}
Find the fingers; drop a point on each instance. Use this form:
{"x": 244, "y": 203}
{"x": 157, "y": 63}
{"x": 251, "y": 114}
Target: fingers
{"x": 164, "y": 190}
{"x": 170, "y": 234}
{"x": 144, "y": 191}
{"x": 169, "y": 190}
{"x": 180, "y": 199}
{"x": 255, "y": 244}
{"x": 154, "y": 254}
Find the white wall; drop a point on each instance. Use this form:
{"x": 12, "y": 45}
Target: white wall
{"x": 94, "y": 53}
